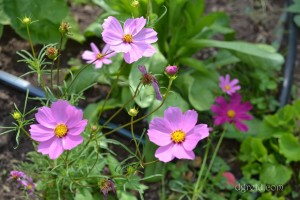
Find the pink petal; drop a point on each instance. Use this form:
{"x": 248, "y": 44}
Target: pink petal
{"x": 56, "y": 149}
{"x": 227, "y": 78}
{"x": 164, "y": 153}
{"x": 129, "y": 26}
{"x": 134, "y": 54}
{"x": 139, "y": 24}
{"x": 44, "y": 147}
{"x": 77, "y": 130}
{"x": 159, "y": 138}
{"x": 242, "y": 127}
{"x": 98, "y": 64}
{"x": 160, "y": 125}
{"x": 113, "y": 25}
{"x": 70, "y": 141}
{"x": 156, "y": 89}
{"x": 58, "y": 109}
{"x": 147, "y": 35}
{"x": 94, "y": 48}
{"x": 173, "y": 115}
{"x": 149, "y": 51}
{"x": 112, "y": 38}
{"x": 41, "y": 133}
{"x": 191, "y": 141}
{"x": 201, "y": 130}
{"x": 189, "y": 120}
{"x": 233, "y": 82}
{"x": 179, "y": 152}
{"x": 88, "y": 55}
{"x": 142, "y": 69}
{"x": 122, "y": 47}
{"x": 74, "y": 116}
{"x": 45, "y": 118}
{"x": 106, "y": 61}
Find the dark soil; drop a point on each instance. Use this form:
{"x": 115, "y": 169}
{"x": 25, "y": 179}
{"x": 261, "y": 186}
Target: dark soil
{"x": 252, "y": 20}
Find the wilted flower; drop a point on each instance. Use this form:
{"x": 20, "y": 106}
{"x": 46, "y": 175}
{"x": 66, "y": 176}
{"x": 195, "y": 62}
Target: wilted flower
{"x": 149, "y": 79}
{"x": 16, "y": 175}
{"x": 230, "y": 178}
{"x": 233, "y": 111}
{"x": 59, "y": 128}
{"x": 177, "y": 134}
{"x": 134, "y": 40}
{"x": 64, "y": 28}
{"x": 228, "y": 86}
{"x": 101, "y": 57}
{"x": 105, "y": 186}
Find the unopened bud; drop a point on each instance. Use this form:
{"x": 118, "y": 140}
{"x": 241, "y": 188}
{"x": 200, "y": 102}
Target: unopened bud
{"x": 17, "y": 115}
{"x": 133, "y": 112}
{"x": 26, "y": 21}
{"x": 171, "y": 70}
{"x": 64, "y": 28}
{"x": 94, "y": 127}
{"x": 52, "y": 52}
{"x": 135, "y": 3}
{"x": 130, "y": 170}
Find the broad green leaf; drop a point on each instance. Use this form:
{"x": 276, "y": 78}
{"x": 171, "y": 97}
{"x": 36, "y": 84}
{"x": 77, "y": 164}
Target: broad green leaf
{"x": 75, "y": 30}
{"x": 113, "y": 165}
{"x": 252, "y": 149}
{"x": 251, "y": 54}
{"x": 201, "y": 90}
{"x": 194, "y": 63}
{"x": 289, "y": 146}
{"x": 275, "y": 174}
{"x": 83, "y": 193}
{"x": 4, "y": 19}
{"x": 297, "y": 20}
{"x": 45, "y": 30}
{"x": 233, "y": 133}
{"x": 295, "y": 8}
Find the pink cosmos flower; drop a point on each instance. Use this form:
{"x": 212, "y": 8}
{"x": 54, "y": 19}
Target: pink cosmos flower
{"x": 16, "y": 175}
{"x": 28, "y": 185}
{"x": 230, "y": 178}
{"x": 177, "y": 134}
{"x": 59, "y": 128}
{"x": 91, "y": 56}
{"x": 133, "y": 40}
{"x": 229, "y": 87}
{"x": 149, "y": 79}
{"x": 233, "y": 111}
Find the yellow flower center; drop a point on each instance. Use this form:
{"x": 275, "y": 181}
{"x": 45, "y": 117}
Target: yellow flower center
{"x": 127, "y": 38}
{"x": 29, "y": 186}
{"x": 227, "y": 87}
{"x": 61, "y": 130}
{"x": 178, "y": 136}
{"x": 99, "y": 56}
{"x": 231, "y": 113}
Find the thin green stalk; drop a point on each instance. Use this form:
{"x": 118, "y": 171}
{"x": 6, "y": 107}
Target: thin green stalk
{"x": 120, "y": 109}
{"x": 201, "y": 170}
{"x": 51, "y": 75}
{"x": 148, "y": 9}
{"x": 135, "y": 142}
{"x": 145, "y": 116}
{"x": 58, "y": 59}
{"x": 163, "y": 184}
{"x": 211, "y": 162}
{"x": 30, "y": 42}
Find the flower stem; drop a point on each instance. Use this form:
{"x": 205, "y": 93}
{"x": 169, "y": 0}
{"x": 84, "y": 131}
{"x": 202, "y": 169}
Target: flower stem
{"x": 58, "y": 59}
{"x": 201, "y": 170}
{"x": 135, "y": 142}
{"x": 51, "y": 75}
{"x": 145, "y": 116}
{"x": 30, "y": 42}
{"x": 211, "y": 162}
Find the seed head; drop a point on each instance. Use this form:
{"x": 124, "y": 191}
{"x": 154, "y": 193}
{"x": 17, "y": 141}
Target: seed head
{"x": 52, "y": 53}
{"x": 26, "y": 21}
{"x": 133, "y": 112}
{"x": 64, "y": 28}
{"x": 17, "y": 115}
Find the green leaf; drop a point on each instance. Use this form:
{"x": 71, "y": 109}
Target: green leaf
{"x": 295, "y": 8}
{"x": 253, "y": 149}
{"x": 83, "y": 193}
{"x": 233, "y": 133}
{"x": 4, "y": 19}
{"x": 201, "y": 90}
{"x": 251, "y": 54}
{"x": 113, "y": 165}
{"x": 275, "y": 174}
{"x": 45, "y": 30}
{"x": 75, "y": 29}
{"x": 297, "y": 20}
{"x": 289, "y": 146}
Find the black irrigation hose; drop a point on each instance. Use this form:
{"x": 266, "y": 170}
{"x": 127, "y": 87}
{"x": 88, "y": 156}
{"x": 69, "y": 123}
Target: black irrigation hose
{"x": 24, "y": 86}
{"x": 290, "y": 59}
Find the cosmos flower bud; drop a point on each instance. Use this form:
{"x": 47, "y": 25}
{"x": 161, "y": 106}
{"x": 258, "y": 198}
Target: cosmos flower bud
{"x": 171, "y": 70}
{"x": 64, "y": 28}
{"x": 26, "y": 21}
{"x": 52, "y": 53}
{"x": 135, "y": 3}
{"x": 133, "y": 112}
{"x": 17, "y": 115}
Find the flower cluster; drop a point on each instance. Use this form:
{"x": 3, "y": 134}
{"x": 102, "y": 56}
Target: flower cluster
{"x": 23, "y": 181}
{"x": 232, "y": 111}
{"x": 59, "y": 128}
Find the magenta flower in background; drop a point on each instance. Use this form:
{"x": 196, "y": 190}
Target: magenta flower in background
{"x": 28, "y": 185}
{"x": 230, "y": 178}
{"x": 177, "y": 134}
{"x": 233, "y": 112}
{"x": 16, "y": 175}
{"x": 149, "y": 79}
{"x": 91, "y": 56}
{"x": 133, "y": 40}
{"x": 228, "y": 86}
{"x": 59, "y": 128}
